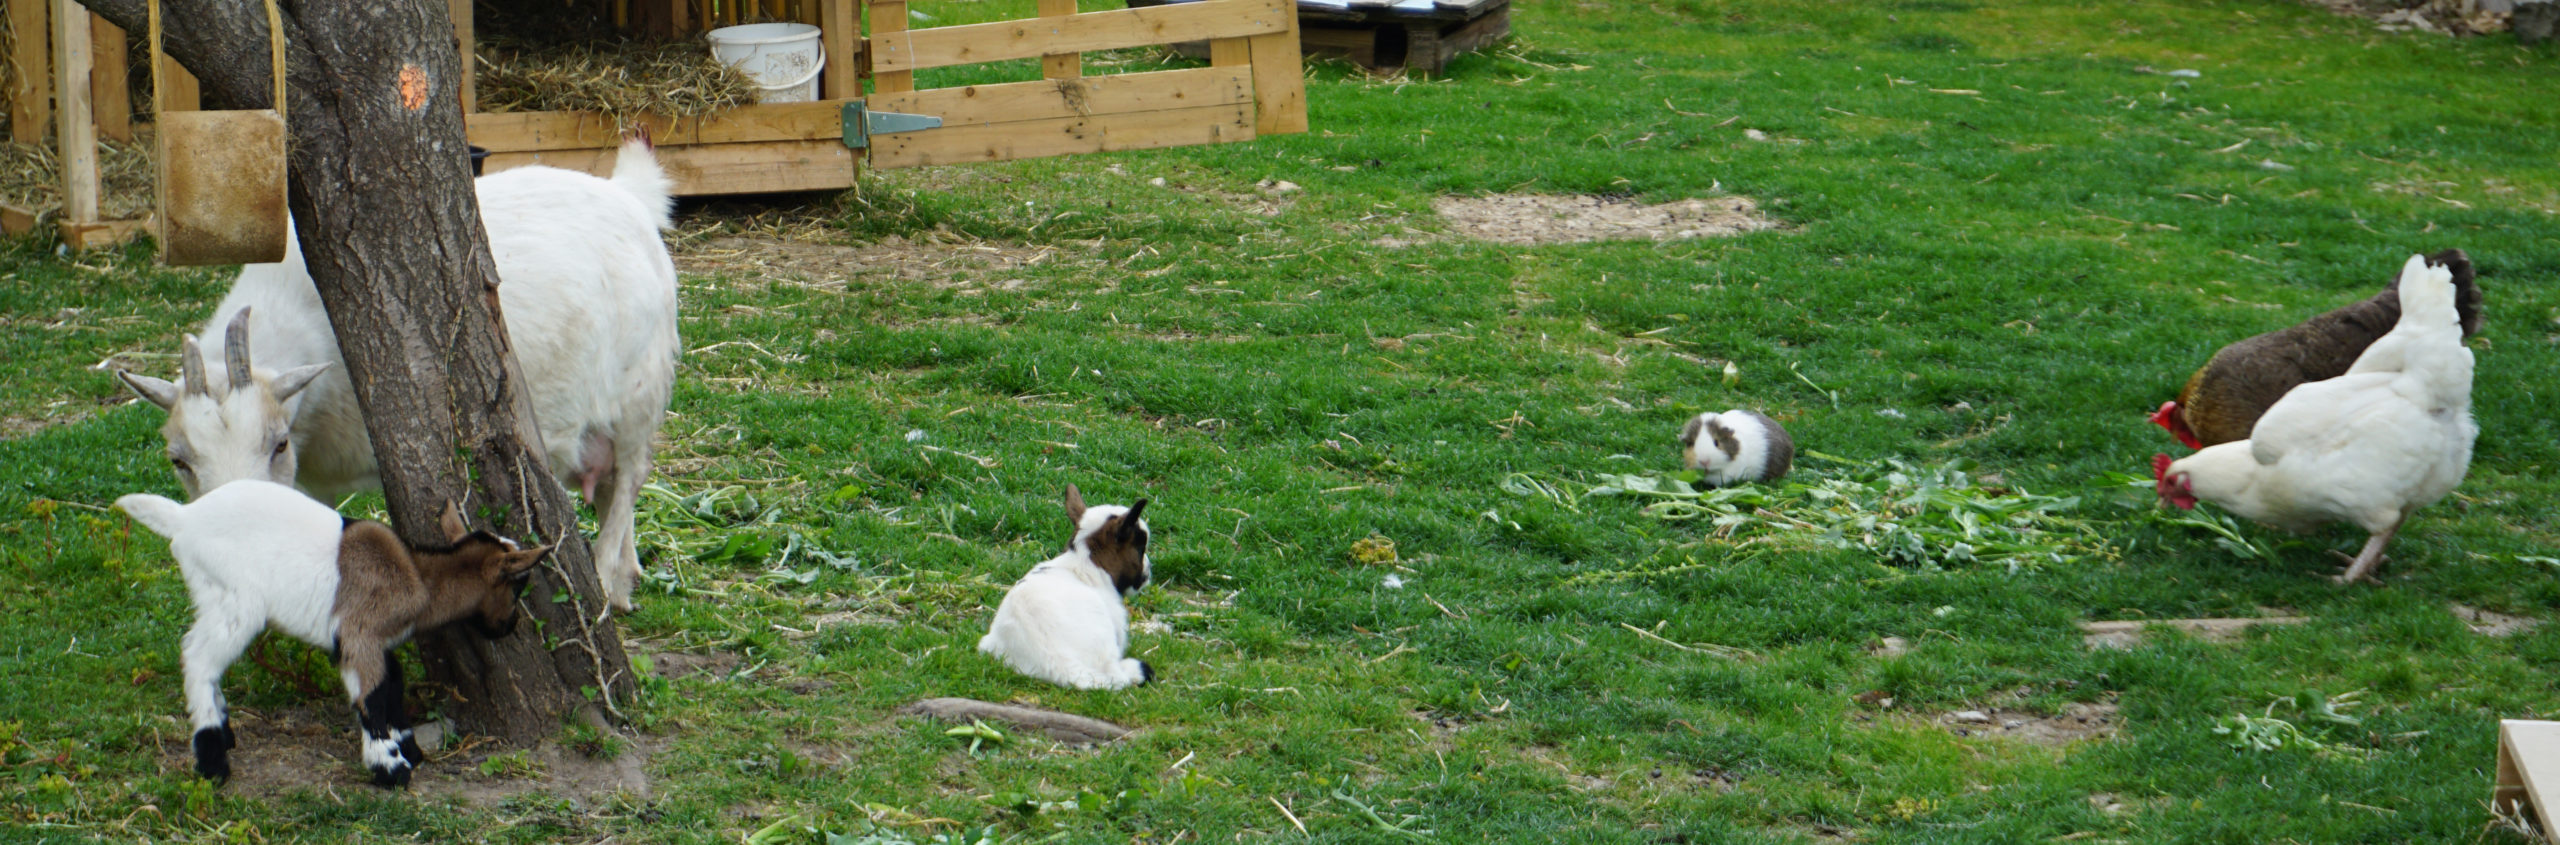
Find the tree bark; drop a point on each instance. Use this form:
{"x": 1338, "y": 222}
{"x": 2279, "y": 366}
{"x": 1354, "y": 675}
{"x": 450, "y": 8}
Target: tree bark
{"x": 381, "y": 194}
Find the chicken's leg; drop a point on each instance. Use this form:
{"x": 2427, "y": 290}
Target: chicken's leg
{"x": 2371, "y": 557}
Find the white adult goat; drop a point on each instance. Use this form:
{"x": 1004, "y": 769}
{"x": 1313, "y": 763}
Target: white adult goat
{"x": 589, "y": 298}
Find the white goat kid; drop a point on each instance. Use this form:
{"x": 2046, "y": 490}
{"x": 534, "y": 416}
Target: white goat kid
{"x": 1064, "y": 621}
{"x": 256, "y": 554}
{"x": 589, "y": 299}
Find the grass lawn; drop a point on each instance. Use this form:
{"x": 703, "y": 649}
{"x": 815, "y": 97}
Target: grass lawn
{"x": 2008, "y": 232}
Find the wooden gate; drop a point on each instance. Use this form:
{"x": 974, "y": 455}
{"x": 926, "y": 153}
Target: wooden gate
{"x": 1253, "y": 86}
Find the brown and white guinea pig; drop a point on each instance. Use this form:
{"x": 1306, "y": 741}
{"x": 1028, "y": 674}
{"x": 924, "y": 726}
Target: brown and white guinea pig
{"x": 1735, "y": 446}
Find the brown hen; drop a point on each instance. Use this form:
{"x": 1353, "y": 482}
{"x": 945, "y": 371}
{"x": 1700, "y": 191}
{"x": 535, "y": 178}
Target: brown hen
{"x": 2223, "y": 400}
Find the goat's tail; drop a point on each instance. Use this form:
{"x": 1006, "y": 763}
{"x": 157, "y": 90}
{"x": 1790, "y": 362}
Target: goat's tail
{"x": 157, "y": 513}
{"x": 636, "y": 170}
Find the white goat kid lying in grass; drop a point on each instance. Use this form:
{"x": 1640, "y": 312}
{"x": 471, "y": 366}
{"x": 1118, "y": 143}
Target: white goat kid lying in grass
{"x": 1064, "y": 621}
{"x": 589, "y": 299}
{"x": 256, "y": 554}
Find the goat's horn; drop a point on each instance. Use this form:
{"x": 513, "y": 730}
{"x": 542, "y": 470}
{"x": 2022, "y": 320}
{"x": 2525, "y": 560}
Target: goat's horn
{"x": 191, "y": 366}
{"x": 235, "y": 350}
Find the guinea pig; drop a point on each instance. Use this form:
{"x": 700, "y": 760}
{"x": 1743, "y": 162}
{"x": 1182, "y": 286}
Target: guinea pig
{"x": 1736, "y": 445}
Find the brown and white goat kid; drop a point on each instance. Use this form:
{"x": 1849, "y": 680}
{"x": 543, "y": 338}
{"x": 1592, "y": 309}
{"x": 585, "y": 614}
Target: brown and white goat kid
{"x": 1064, "y": 621}
{"x": 256, "y": 553}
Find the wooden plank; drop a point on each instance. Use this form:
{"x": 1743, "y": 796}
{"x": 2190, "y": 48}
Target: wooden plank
{"x": 102, "y": 234}
{"x": 2528, "y": 770}
{"x": 16, "y": 221}
{"x": 888, "y": 26}
{"x": 751, "y": 168}
{"x": 537, "y": 131}
{"x": 107, "y": 89}
{"x": 1015, "y": 102}
{"x": 1279, "y": 82}
{"x": 1060, "y": 65}
{"x": 842, "y": 33}
{"x": 183, "y": 93}
{"x": 31, "y": 102}
{"x": 1064, "y": 136}
{"x": 466, "y": 35}
{"x": 75, "y": 131}
{"x": 1114, "y": 29}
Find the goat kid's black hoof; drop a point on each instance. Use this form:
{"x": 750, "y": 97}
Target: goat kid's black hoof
{"x": 213, "y": 758}
{"x": 392, "y": 777}
{"x": 1146, "y": 673}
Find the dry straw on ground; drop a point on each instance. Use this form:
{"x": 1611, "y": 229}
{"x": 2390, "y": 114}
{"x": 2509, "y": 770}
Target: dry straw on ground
{"x": 31, "y": 177}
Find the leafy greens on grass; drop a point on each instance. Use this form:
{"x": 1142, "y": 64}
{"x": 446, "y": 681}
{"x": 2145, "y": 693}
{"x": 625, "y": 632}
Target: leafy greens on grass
{"x": 1907, "y": 515}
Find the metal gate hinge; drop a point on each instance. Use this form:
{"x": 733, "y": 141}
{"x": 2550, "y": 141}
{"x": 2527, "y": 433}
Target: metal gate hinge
{"x": 861, "y": 123}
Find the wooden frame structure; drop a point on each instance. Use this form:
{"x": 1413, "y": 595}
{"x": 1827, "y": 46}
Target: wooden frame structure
{"x": 71, "y": 80}
{"x": 1254, "y": 85}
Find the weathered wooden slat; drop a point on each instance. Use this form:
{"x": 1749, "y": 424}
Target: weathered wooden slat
{"x": 107, "y": 90}
{"x": 1279, "y": 83}
{"x": 31, "y": 102}
{"x": 1015, "y": 102}
{"x": 1060, "y": 65}
{"x": 842, "y": 32}
{"x": 749, "y": 168}
{"x": 1105, "y": 30}
{"x": 888, "y": 26}
{"x": 536, "y": 131}
{"x": 466, "y": 37}
{"x": 75, "y": 131}
{"x": 1063, "y": 136}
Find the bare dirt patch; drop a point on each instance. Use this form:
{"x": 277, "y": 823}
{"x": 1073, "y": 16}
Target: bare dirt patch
{"x": 2443, "y": 17}
{"x": 676, "y": 664}
{"x": 2126, "y": 633}
{"x": 1539, "y": 219}
{"x": 2490, "y": 623}
{"x": 2077, "y": 721}
{"x": 968, "y": 267}
{"x": 309, "y": 749}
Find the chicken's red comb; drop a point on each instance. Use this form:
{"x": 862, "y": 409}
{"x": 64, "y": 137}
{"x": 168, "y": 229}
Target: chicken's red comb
{"x": 2160, "y": 467}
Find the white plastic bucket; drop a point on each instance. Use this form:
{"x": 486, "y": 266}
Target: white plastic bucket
{"x": 784, "y": 59}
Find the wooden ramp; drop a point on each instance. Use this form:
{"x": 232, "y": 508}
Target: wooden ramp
{"x": 2529, "y": 773}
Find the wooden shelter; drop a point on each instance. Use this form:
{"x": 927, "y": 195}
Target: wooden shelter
{"x": 870, "y": 111}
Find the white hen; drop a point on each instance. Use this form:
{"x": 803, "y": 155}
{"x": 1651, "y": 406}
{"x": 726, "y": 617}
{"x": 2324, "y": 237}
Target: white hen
{"x": 2391, "y": 436}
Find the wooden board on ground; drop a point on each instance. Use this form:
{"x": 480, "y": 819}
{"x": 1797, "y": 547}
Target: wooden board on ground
{"x": 2529, "y": 773}
{"x": 1068, "y": 728}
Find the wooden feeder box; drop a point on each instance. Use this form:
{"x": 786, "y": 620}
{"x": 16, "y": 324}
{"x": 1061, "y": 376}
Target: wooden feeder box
{"x": 2529, "y": 774}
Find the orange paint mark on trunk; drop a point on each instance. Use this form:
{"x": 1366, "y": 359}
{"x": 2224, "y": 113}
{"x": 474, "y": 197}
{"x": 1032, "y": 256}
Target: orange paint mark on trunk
{"x": 413, "y": 88}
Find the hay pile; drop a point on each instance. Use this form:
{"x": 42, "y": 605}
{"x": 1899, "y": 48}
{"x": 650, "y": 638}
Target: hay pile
{"x": 31, "y": 177}
{"x": 620, "y": 78}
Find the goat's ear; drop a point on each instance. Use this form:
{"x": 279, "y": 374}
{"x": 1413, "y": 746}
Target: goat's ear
{"x": 1129, "y": 521}
{"x": 294, "y": 380}
{"x": 518, "y": 566}
{"x": 451, "y": 522}
{"x": 1075, "y": 505}
{"x": 155, "y": 391}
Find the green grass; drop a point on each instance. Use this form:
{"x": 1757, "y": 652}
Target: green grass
{"x": 2020, "y": 273}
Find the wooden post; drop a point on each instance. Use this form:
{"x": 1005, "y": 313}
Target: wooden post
{"x": 1279, "y": 80}
{"x": 107, "y": 80}
{"x": 183, "y": 94}
{"x": 1060, "y": 65}
{"x": 73, "y": 129}
{"x": 842, "y": 33}
{"x": 31, "y": 104}
{"x": 889, "y": 33}
{"x": 465, "y": 32}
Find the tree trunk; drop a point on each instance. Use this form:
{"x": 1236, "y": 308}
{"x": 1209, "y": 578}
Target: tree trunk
{"x": 382, "y": 196}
